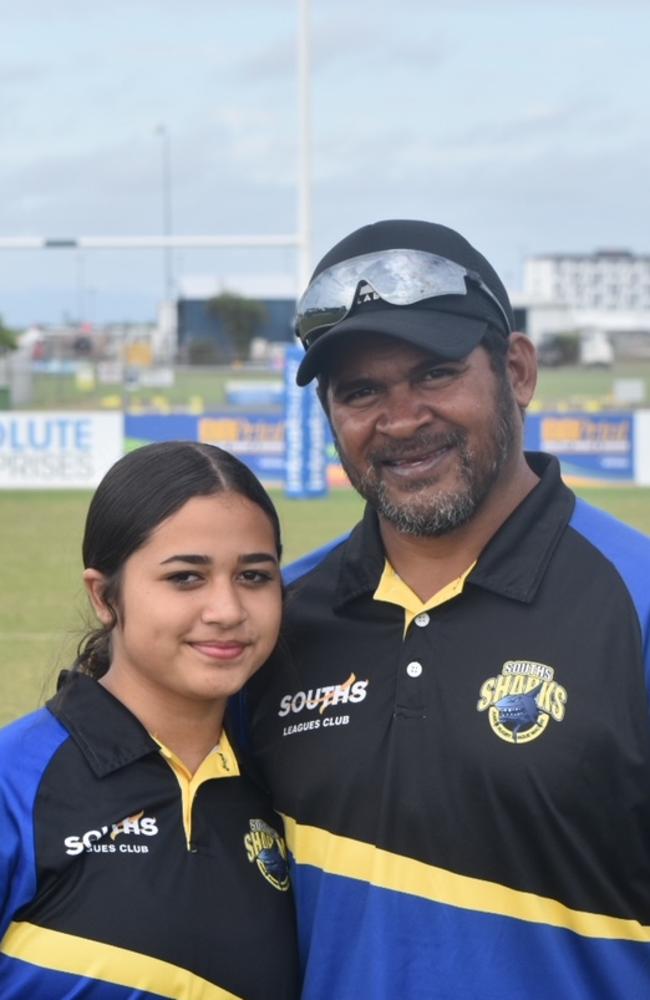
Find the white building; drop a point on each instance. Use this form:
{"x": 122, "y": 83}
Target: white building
{"x": 604, "y": 280}
{"x": 606, "y": 293}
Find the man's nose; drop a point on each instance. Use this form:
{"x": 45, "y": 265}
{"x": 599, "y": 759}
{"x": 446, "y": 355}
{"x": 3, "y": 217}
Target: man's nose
{"x": 403, "y": 412}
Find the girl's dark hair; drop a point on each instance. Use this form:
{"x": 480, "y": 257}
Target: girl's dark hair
{"x": 140, "y": 491}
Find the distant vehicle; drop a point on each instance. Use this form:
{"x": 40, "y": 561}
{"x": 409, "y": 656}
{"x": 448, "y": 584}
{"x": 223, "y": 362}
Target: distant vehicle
{"x": 596, "y": 350}
{"x": 591, "y": 348}
{"x": 552, "y": 351}
{"x": 555, "y": 349}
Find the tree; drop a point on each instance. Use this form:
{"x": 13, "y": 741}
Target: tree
{"x": 241, "y": 319}
{"x": 8, "y": 339}
{"x": 201, "y": 351}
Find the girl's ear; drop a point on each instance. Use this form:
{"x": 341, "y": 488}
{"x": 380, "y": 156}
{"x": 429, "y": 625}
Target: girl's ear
{"x": 95, "y": 584}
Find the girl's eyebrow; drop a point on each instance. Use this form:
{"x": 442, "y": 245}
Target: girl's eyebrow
{"x": 256, "y": 557}
{"x": 197, "y": 560}
{"x": 194, "y": 560}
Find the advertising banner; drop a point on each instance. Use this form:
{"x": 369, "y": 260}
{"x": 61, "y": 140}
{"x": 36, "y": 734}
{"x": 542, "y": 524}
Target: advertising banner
{"x": 305, "y": 433}
{"x": 258, "y": 440}
{"x": 66, "y": 450}
{"x": 592, "y": 448}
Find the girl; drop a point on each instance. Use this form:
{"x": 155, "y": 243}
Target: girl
{"x": 136, "y": 860}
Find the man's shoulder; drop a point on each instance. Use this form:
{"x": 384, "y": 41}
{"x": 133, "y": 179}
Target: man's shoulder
{"x": 612, "y": 536}
{"x": 625, "y": 548}
{"x": 316, "y": 562}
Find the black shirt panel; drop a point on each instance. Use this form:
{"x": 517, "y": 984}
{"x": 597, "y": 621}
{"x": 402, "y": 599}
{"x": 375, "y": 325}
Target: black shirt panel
{"x": 113, "y": 863}
{"x": 415, "y": 765}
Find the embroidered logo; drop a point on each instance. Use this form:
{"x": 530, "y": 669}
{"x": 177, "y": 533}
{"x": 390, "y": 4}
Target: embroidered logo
{"x": 322, "y": 699}
{"x": 521, "y": 700}
{"x": 266, "y": 848}
{"x": 103, "y": 839}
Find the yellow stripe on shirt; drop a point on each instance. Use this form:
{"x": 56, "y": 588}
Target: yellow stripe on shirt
{"x": 106, "y": 963}
{"x": 356, "y": 860}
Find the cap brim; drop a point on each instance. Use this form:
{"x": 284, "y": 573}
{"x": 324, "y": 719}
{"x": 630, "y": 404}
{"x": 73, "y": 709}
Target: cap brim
{"x": 450, "y": 336}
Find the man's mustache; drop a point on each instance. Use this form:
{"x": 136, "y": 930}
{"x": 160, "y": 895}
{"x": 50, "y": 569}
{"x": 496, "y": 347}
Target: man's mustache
{"x": 419, "y": 445}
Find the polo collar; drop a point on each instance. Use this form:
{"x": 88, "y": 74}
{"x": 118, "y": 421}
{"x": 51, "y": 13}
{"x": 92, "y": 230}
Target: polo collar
{"x": 512, "y": 564}
{"x": 108, "y": 735}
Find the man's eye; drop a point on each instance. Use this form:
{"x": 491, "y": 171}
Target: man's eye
{"x": 359, "y": 394}
{"x": 438, "y": 373}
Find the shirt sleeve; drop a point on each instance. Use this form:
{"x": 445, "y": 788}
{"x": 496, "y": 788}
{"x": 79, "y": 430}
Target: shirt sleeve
{"x": 26, "y": 748}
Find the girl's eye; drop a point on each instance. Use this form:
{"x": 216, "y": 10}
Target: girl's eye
{"x": 185, "y": 578}
{"x": 256, "y": 577}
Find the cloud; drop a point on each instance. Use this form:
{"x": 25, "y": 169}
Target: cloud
{"x": 20, "y": 73}
{"x": 356, "y": 40}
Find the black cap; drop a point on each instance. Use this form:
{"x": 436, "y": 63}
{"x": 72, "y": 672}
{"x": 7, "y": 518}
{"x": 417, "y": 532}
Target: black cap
{"x": 450, "y": 326}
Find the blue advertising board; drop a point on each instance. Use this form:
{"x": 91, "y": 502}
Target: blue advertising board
{"x": 258, "y": 440}
{"x": 593, "y": 448}
{"x": 305, "y": 432}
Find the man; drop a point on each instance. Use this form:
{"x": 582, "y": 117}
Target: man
{"x": 459, "y": 738}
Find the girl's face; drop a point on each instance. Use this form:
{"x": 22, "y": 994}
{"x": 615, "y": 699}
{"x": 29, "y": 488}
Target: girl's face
{"x": 200, "y": 603}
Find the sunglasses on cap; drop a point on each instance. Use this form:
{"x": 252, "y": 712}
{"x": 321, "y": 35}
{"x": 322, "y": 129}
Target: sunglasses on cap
{"x": 400, "y": 277}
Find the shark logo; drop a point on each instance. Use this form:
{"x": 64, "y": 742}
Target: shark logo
{"x": 266, "y": 848}
{"x": 521, "y": 700}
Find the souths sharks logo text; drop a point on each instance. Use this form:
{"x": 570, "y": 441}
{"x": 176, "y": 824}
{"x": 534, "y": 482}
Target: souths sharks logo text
{"x": 322, "y": 697}
{"x": 350, "y": 691}
{"x": 102, "y": 840}
{"x": 521, "y": 700}
{"x": 266, "y": 848}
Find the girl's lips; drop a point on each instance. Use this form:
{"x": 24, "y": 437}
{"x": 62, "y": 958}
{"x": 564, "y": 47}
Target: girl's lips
{"x": 220, "y": 650}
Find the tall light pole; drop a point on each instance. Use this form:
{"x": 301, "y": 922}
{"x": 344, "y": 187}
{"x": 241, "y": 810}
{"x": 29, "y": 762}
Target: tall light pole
{"x": 163, "y": 134}
{"x": 81, "y": 305}
{"x": 301, "y": 238}
{"x": 304, "y": 212}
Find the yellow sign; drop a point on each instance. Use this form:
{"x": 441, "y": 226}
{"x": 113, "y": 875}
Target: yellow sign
{"x": 138, "y": 354}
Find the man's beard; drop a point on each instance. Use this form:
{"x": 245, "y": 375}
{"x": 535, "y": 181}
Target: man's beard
{"x": 438, "y": 513}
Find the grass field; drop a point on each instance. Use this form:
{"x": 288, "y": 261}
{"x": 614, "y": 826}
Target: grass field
{"x": 575, "y": 387}
{"x": 567, "y": 387}
{"x": 199, "y": 385}
{"x": 43, "y": 608}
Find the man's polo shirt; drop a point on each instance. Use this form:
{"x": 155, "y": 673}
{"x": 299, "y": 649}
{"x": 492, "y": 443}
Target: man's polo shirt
{"x": 123, "y": 876}
{"x": 467, "y": 801}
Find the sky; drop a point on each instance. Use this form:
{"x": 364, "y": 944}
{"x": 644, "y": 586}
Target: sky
{"x": 524, "y": 125}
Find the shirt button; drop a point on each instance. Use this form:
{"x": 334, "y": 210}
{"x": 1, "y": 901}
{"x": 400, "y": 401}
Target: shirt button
{"x": 422, "y": 620}
{"x": 414, "y": 669}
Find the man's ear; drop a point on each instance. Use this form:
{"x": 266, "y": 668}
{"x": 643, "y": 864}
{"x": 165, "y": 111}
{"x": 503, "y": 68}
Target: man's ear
{"x": 95, "y": 584}
{"x": 521, "y": 363}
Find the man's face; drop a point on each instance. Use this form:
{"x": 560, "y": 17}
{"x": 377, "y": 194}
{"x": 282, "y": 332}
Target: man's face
{"x": 424, "y": 441}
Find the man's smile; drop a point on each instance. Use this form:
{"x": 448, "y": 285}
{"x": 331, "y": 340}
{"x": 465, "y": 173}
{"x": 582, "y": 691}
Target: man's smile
{"x": 417, "y": 464}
